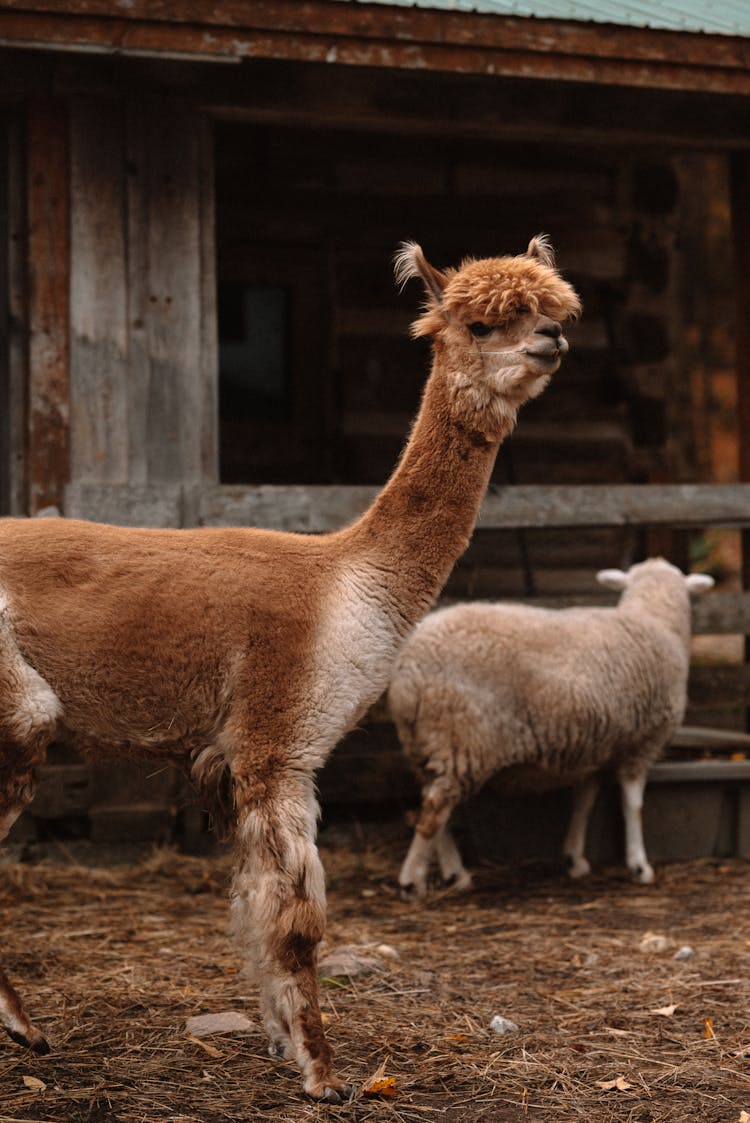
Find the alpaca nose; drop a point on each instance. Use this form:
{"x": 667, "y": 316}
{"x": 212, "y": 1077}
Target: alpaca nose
{"x": 550, "y": 328}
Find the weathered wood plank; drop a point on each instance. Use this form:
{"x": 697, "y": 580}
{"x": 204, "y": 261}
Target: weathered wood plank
{"x": 718, "y": 686}
{"x": 139, "y": 381}
{"x": 17, "y": 322}
{"x": 740, "y": 200}
{"x": 317, "y": 508}
{"x": 416, "y": 39}
{"x": 699, "y": 771}
{"x": 176, "y": 422}
{"x": 144, "y": 362}
{"x": 208, "y": 368}
{"x": 131, "y": 505}
{"x": 320, "y": 508}
{"x": 48, "y": 258}
{"x": 99, "y": 314}
{"x": 677, "y": 505}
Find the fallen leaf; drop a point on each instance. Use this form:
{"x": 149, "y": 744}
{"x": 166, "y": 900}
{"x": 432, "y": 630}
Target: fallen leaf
{"x": 744, "y": 1117}
{"x": 379, "y": 1084}
{"x": 230, "y": 1021}
{"x": 708, "y": 1027}
{"x": 619, "y": 1084}
{"x": 347, "y": 963}
{"x": 35, "y": 1083}
{"x": 665, "y": 1011}
{"x": 457, "y": 1037}
{"x": 499, "y": 1024}
{"x": 212, "y": 1052}
{"x": 384, "y": 1087}
{"x": 653, "y": 941}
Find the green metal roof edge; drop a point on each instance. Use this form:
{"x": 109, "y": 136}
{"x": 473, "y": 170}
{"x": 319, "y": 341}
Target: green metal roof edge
{"x": 728, "y": 17}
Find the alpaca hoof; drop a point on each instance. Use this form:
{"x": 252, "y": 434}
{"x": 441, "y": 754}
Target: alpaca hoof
{"x": 33, "y": 1040}
{"x": 280, "y": 1050}
{"x": 331, "y": 1091}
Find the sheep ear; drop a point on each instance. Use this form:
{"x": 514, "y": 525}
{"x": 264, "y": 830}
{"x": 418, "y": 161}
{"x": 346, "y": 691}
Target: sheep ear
{"x": 698, "y": 583}
{"x": 614, "y": 579}
{"x": 411, "y": 262}
{"x": 540, "y": 247}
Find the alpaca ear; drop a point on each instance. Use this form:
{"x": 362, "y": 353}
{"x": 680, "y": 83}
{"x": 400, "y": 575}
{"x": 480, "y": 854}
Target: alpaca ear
{"x": 411, "y": 262}
{"x": 540, "y": 247}
{"x": 614, "y": 579}
{"x": 699, "y": 583}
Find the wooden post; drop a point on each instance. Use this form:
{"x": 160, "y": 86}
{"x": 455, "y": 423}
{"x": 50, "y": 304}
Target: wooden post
{"x": 740, "y": 196}
{"x": 48, "y": 256}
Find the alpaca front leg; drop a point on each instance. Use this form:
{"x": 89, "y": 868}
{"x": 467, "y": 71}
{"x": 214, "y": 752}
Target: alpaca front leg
{"x": 631, "y": 794}
{"x": 279, "y": 917}
{"x": 584, "y": 796}
{"x": 15, "y": 1021}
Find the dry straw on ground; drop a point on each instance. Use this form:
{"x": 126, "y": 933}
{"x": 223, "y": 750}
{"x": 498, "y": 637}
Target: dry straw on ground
{"x": 112, "y": 961}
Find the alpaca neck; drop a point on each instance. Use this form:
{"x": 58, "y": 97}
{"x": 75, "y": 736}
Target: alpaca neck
{"x": 422, "y": 521}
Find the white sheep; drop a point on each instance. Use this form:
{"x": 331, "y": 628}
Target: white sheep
{"x": 548, "y": 698}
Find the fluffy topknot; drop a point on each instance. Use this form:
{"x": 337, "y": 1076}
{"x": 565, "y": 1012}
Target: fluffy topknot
{"x": 495, "y": 290}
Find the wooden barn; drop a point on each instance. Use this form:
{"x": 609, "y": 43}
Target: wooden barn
{"x": 199, "y": 205}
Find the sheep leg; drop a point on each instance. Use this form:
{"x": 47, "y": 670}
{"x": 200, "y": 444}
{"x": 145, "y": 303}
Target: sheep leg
{"x": 631, "y": 794}
{"x": 13, "y": 1018}
{"x": 452, "y": 869}
{"x": 279, "y": 916}
{"x": 438, "y": 802}
{"x": 584, "y": 796}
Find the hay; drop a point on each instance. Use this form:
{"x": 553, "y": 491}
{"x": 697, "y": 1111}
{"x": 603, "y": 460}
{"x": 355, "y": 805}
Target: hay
{"x": 111, "y": 963}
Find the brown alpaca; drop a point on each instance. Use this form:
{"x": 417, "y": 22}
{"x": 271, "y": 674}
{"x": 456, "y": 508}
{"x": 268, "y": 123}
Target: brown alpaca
{"x": 244, "y": 655}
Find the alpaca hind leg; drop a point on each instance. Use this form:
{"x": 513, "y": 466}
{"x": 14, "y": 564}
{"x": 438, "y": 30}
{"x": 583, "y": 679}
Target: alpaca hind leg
{"x": 631, "y": 794}
{"x": 13, "y": 1018}
{"x": 29, "y": 712}
{"x": 452, "y": 869}
{"x": 438, "y": 801}
{"x": 279, "y": 916}
{"x": 584, "y": 797}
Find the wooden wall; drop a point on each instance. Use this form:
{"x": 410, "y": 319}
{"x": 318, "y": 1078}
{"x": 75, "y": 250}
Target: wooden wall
{"x": 142, "y": 301}
{"x": 332, "y": 205}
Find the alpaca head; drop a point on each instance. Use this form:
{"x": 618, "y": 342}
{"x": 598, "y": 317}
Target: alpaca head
{"x": 496, "y": 323}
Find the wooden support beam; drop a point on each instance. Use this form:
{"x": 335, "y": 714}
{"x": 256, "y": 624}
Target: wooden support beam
{"x": 740, "y": 198}
{"x": 48, "y": 256}
{"x": 387, "y": 37}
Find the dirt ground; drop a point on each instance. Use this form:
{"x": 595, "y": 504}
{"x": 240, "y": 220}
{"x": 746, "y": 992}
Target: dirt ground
{"x": 610, "y": 1025}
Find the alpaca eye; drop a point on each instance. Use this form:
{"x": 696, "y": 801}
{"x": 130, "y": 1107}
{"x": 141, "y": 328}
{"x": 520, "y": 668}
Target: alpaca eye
{"x": 479, "y": 329}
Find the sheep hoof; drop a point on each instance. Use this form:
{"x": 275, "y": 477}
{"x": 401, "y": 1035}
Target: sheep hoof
{"x": 410, "y": 893}
{"x": 643, "y": 875}
{"x": 460, "y": 882}
{"x": 577, "y": 867}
